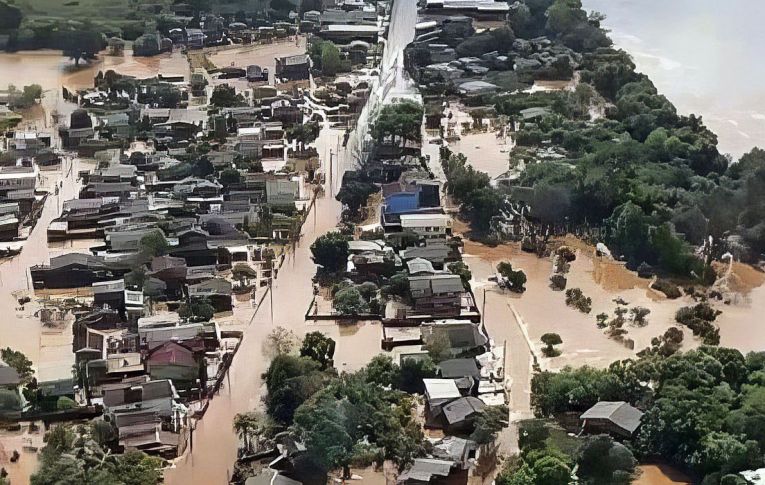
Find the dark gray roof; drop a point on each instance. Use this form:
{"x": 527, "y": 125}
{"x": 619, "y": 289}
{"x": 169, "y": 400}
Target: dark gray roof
{"x": 215, "y": 286}
{"x": 454, "y": 368}
{"x": 8, "y": 376}
{"x": 157, "y": 389}
{"x": 454, "y": 448}
{"x": 438, "y": 284}
{"x": 461, "y": 409}
{"x": 76, "y": 258}
{"x": 620, "y": 413}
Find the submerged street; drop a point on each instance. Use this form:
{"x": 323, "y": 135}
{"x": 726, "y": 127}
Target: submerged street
{"x": 214, "y": 442}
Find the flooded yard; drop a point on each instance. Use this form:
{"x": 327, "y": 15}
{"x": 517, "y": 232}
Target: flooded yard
{"x": 486, "y": 147}
{"x": 263, "y": 55}
{"x": 544, "y": 310}
{"x": 660, "y": 475}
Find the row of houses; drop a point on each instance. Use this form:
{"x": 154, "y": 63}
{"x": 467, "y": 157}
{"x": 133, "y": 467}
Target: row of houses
{"x": 189, "y": 211}
{"x": 25, "y": 156}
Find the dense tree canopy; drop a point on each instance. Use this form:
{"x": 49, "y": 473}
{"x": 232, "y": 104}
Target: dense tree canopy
{"x": 224, "y": 96}
{"x": 353, "y": 420}
{"x": 330, "y": 251}
{"x": 74, "y": 456}
{"x": 399, "y": 122}
{"x": 703, "y": 408}
{"x": 81, "y": 44}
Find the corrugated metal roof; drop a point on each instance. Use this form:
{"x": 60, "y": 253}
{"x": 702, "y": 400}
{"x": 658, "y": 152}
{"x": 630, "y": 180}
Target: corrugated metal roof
{"x": 620, "y": 413}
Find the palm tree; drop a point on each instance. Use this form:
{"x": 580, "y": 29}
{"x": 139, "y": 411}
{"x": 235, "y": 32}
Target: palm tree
{"x": 254, "y": 425}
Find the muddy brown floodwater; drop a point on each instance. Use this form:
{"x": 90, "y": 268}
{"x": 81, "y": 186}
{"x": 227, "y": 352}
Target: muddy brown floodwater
{"x": 214, "y": 450}
{"x": 660, "y": 475}
{"x": 263, "y": 55}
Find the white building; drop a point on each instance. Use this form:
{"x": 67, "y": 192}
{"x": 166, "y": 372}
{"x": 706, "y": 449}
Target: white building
{"x": 428, "y": 226}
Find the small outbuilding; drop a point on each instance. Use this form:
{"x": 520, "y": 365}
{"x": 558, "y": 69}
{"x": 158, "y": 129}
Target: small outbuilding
{"x": 612, "y": 417}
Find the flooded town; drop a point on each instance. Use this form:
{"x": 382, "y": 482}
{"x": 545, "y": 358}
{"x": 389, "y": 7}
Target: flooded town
{"x": 369, "y": 241}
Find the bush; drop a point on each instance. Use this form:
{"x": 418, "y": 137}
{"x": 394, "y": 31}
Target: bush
{"x": 516, "y": 279}
{"x": 575, "y": 298}
{"x": 349, "y": 302}
{"x": 460, "y": 268}
{"x": 196, "y": 311}
{"x": 671, "y": 290}
{"x": 699, "y": 319}
{"x": 63, "y": 403}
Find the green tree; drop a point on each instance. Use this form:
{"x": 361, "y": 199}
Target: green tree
{"x": 382, "y": 371}
{"x": 230, "y": 176}
{"x": 290, "y": 381}
{"x": 604, "y": 461}
{"x": 10, "y": 16}
{"x": 81, "y": 44}
{"x": 72, "y": 457}
{"x": 318, "y": 347}
{"x": 551, "y": 470}
{"x": 225, "y": 96}
{"x": 10, "y": 400}
{"x": 725, "y": 453}
{"x": 576, "y": 390}
{"x": 399, "y": 121}
{"x": 460, "y": 268}
{"x": 413, "y": 371}
{"x": 520, "y": 475}
{"x": 483, "y": 205}
{"x": 516, "y": 279}
{"x": 349, "y": 302}
{"x": 330, "y": 59}
{"x": 18, "y": 362}
{"x": 304, "y": 133}
{"x": 196, "y": 310}
{"x": 489, "y": 423}
{"x": 398, "y": 285}
{"x": 551, "y": 340}
{"x": 354, "y": 195}
{"x": 352, "y": 421}
{"x": 330, "y": 251}
{"x": 254, "y": 426}
{"x": 154, "y": 244}
{"x": 137, "y": 468}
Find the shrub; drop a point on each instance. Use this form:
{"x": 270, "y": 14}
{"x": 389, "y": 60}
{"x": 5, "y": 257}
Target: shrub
{"x": 671, "y": 290}
{"x": 575, "y": 298}
{"x": 699, "y": 319}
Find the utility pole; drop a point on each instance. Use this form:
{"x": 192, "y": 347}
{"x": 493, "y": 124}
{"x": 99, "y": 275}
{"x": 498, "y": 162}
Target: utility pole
{"x": 483, "y": 307}
{"x": 271, "y": 294}
{"x": 331, "y": 191}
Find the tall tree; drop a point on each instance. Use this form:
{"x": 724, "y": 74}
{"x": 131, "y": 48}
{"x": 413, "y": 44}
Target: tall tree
{"x": 318, "y": 347}
{"x": 81, "y": 44}
{"x": 330, "y": 251}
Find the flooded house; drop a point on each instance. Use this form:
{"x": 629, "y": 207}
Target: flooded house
{"x": 345, "y": 33}
{"x": 146, "y": 414}
{"x": 195, "y": 38}
{"x": 75, "y": 270}
{"x": 18, "y": 183}
{"x": 617, "y": 418}
{"x": 293, "y": 68}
